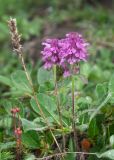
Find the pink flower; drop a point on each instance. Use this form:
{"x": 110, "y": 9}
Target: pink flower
{"x": 50, "y": 53}
{"x": 66, "y": 73}
{"x": 65, "y": 52}
{"x": 73, "y": 49}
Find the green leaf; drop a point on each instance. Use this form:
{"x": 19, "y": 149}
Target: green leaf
{"x": 6, "y": 155}
{"x": 47, "y": 105}
{"x": 97, "y": 110}
{"x": 28, "y": 125}
{"x": 71, "y": 156}
{"x": 111, "y": 87}
{"x": 20, "y": 82}
{"x": 83, "y": 127}
{"x": 5, "y": 80}
{"x": 93, "y": 128}
{"x": 6, "y": 122}
{"x": 45, "y": 101}
{"x": 84, "y": 102}
{"x": 112, "y": 140}
{"x": 108, "y": 154}
{"x": 31, "y": 139}
{"x": 44, "y": 76}
{"x": 101, "y": 90}
{"x": 85, "y": 69}
{"x": 8, "y": 145}
{"x": 30, "y": 157}
{"x": 7, "y": 106}
{"x": 48, "y": 86}
{"x": 96, "y": 73}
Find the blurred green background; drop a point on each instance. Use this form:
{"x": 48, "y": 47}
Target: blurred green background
{"x": 38, "y": 19}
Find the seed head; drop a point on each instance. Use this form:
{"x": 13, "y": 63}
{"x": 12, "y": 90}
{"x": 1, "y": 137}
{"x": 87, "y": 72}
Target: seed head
{"x": 15, "y": 37}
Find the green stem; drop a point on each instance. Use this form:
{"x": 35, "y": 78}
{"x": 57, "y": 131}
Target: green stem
{"x": 73, "y": 105}
{"x": 58, "y": 107}
{"x": 74, "y": 116}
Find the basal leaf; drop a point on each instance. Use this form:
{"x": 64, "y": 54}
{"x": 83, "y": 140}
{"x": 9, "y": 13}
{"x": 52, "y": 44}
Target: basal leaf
{"x": 21, "y": 83}
{"x": 31, "y": 139}
{"x": 47, "y": 104}
{"x": 28, "y": 125}
{"x": 45, "y": 101}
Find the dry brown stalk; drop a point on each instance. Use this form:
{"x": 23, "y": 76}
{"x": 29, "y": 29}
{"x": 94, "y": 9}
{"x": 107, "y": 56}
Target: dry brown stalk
{"x": 17, "y": 47}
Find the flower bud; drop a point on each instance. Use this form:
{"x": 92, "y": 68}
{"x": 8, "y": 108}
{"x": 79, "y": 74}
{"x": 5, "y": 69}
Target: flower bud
{"x": 13, "y": 111}
{"x": 17, "y": 109}
{"x": 18, "y": 131}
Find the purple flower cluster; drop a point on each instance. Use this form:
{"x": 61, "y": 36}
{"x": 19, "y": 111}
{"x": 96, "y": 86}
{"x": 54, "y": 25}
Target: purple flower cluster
{"x": 64, "y": 52}
{"x": 50, "y": 53}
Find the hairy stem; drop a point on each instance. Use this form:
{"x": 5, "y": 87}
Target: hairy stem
{"x": 58, "y": 107}
{"x": 74, "y": 117}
